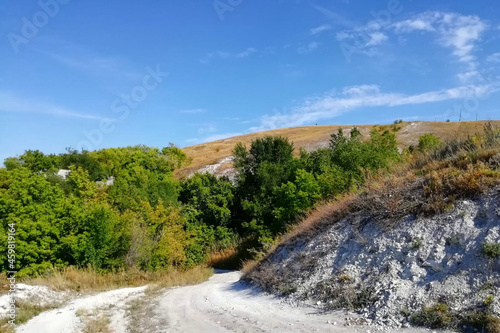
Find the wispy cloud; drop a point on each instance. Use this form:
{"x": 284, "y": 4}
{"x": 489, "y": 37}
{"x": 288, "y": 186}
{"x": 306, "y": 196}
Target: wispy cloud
{"x": 334, "y": 17}
{"x": 334, "y": 104}
{"x": 459, "y": 32}
{"x": 422, "y": 22}
{"x": 193, "y": 111}
{"x": 247, "y": 53}
{"x": 89, "y": 62}
{"x": 225, "y": 55}
{"x": 495, "y": 57}
{"x": 468, "y": 76}
{"x": 308, "y": 48}
{"x": 376, "y": 38}
{"x": 12, "y": 103}
{"x": 320, "y": 29}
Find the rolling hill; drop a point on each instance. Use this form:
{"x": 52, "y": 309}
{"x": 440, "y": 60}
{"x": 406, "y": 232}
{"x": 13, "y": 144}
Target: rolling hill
{"x": 215, "y": 156}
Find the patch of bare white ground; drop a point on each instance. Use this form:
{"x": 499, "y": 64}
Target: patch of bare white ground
{"x": 66, "y": 320}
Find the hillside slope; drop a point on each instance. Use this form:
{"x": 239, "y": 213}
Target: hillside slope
{"x": 420, "y": 246}
{"x": 214, "y": 156}
{"x": 389, "y": 274}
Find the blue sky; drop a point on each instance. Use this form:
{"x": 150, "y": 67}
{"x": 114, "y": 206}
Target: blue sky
{"x": 94, "y": 74}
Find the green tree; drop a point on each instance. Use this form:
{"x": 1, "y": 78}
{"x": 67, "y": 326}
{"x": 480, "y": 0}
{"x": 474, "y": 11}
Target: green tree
{"x": 36, "y": 161}
{"x": 209, "y": 195}
{"x": 175, "y": 156}
{"x": 34, "y": 207}
{"x": 293, "y": 198}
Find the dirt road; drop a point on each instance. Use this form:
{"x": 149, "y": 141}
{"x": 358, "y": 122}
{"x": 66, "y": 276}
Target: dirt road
{"x": 223, "y": 304}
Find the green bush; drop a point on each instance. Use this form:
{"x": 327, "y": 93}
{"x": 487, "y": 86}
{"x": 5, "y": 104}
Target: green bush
{"x": 437, "y": 316}
{"x": 428, "y": 142}
{"x": 491, "y": 250}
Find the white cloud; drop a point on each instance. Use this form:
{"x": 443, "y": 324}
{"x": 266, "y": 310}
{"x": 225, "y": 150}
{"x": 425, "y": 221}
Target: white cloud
{"x": 459, "y": 32}
{"x": 334, "y": 104}
{"x": 469, "y": 76}
{"x": 376, "y": 38}
{"x": 193, "y": 111}
{"x": 320, "y": 29}
{"x": 364, "y": 39}
{"x": 12, "y": 103}
{"x": 341, "y": 35}
{"x": 225, "y": 55}
{"x": 495, "y": 57}
{"x": 308, "y": 48}
{"x": 422, "y": 22}
{"x": 248, "y": 52}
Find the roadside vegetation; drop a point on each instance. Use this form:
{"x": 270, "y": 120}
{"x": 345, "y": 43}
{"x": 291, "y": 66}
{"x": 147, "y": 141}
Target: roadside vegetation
{"x": 147, "y": 221}
{"x": 121, "y": 218}
{"x": 428, "y": 179}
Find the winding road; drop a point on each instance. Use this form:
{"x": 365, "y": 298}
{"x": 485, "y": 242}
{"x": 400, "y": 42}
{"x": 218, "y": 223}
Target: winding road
{"x": 224, "y": 304}
{"x": 221, "y": 304}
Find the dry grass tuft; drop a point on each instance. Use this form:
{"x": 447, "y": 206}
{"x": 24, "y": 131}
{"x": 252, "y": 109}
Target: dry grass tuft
{"x": 249, "y": 265}
{"x": 493, "y": 324}
{"x": 5, "y": 327}
{"x": 225, "y": 259}
{"x": 4, "y": 286}
{"x": 25, "y": 311}
{"x": 181, "y": 278}
{"x": 98, "y": 324}
{"x": 322, "y": 215}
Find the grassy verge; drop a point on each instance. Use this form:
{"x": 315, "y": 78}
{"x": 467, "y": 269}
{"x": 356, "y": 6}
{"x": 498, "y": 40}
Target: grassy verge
{"x": 25, "y": 311}
{"x": 89, "y": 280}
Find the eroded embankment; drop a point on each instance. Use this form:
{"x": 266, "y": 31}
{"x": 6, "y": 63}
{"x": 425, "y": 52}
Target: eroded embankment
{"x": 390, "y": 270}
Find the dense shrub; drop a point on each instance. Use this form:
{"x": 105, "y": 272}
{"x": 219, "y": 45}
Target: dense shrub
{"x": 428, "y": 142}
{"x": 491, "y": 250}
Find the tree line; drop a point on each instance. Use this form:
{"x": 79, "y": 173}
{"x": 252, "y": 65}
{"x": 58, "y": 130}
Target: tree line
{"x": 150, "y": 220}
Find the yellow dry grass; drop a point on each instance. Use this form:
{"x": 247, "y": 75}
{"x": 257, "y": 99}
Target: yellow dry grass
{"x": 88, "y": 280}
{"x": 312, "y": 137}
